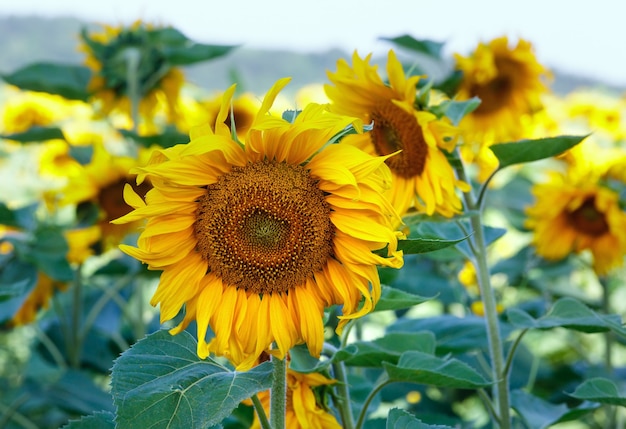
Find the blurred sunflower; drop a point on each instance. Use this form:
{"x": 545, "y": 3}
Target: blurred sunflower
{"x": 303, "y": 408}
{"x": 510, "y": 84}
{"x": 575, "y": 212}
{"x": 110, "y": 54}
{"x": 257, "y": 239}
{"x": 422, "y": 175}
{"x": 101, "y": 182}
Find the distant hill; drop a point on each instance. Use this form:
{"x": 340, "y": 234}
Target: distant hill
{"x": 29, "y": 39}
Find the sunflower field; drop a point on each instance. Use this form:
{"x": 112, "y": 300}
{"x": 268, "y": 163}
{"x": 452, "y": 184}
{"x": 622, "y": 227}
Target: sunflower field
{"x": 388, "y": 248}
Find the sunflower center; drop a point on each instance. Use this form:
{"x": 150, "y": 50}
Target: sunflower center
{"x": 496, "y": 94}
{"x": 588, "y": 220}
{"x": 264, "y": 227}
{"x": 111, "y": 198}
{"x": 395, "y": 129}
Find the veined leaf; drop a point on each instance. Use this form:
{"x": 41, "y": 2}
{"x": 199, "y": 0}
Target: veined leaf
{"x": 160, "y": 382}
{"x": 98, "y": 420}
{"x": 533, "y": 150}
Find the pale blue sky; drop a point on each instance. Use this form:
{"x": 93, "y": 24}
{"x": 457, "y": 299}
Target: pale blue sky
{"x": 586, "y": 38}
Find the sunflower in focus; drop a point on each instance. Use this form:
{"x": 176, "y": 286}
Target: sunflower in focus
{"x": 576, "y": 212}
{"x": 112, "y": 51}
{"x": 303, "y": 409}
{"x": 256, "y": 240}
{"x": 422, "y": 175}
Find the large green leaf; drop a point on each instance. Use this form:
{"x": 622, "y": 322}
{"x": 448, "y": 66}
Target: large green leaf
{"x": 413, "y": 246}
{"x": 424, "y": 368}
{"x": 69, "y": 81}
{"x": 426, "y": 47}
{"x": 36, "y": 134}
{"x": 400, "y": 419}
{"x": 160, "y": 383}
{"x": 568, "y": 313}
{"x": 386, "y": 349}
{"x": 600, "y": 390}
{"x": 98, "y": 420}
{"x": 533, "y": 150}
{"x": 396, "y": 299}
{"x": 539, "y": 414}
{"x": 180, "y": 50}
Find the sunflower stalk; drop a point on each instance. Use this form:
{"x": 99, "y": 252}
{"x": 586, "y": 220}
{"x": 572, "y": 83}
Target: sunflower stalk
{"x": 278, "y": 394}
{"x": 133, "y": 58}
{"x": 342, "y": 399}
{"x": 498, "y": 369}
{"x": 260, "y": 412}
{"x": 75, "y": 342}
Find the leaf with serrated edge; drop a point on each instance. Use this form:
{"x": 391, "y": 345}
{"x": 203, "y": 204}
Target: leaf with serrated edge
{"x": 600, "y": 390}
{"x": 161, "y": 383}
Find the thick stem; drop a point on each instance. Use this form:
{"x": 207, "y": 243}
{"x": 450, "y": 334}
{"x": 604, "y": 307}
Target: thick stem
{"x": 133, "y": 58}
{"x": 500, "y": 376}
{"x": 278, "y": 394}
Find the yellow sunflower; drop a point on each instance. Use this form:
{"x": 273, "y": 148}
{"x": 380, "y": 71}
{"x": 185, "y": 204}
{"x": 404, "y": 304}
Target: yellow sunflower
{"x": 422, "y": 175}
{"x": 574, "y": 213}
{"x": 244, "y": 110}
{"x": 101, "y": 181}
{"x": 108, "y": 54}
{"x": 303, "y": 409}
{"x": 508, "y": 81}
{"x": 257, "y": 239}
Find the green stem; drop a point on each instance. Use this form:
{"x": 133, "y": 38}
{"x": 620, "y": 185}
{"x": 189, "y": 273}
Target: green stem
{"x": 260, "y": 412}
{"x": 383, "y": 381}
{"x": 500, "y": 378}
{"x": 278, "y": 394}
{"x": 608, "y": 336}
{"x": 54, "y": 351}
{"x": 509, "y": 359}
{"x": 133, "y": 58}
{"x": 74, "y": 341}
{"x": 486, "y": 400}
{"x": 10, "y": 412}
{"x": 342, "y": 398}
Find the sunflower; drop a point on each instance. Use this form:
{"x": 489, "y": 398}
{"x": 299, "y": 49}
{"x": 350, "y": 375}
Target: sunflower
{"x": 108, "y": 56}
{"x": 508, "y": 81}
{"x": 422, "y": 175}
{"x": 574, "y": 213}
{"x": 303, "y": 409}
{"x": 257, "y": 239}
{"x": 244, "y": 110}
{"x": 100, "y": 181}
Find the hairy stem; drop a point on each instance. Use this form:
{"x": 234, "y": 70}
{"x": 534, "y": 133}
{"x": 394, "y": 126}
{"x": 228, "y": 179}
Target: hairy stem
{"x": 278, "y": 394}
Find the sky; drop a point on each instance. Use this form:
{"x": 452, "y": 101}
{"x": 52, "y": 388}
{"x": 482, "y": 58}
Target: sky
{"x": 579, "y": 37}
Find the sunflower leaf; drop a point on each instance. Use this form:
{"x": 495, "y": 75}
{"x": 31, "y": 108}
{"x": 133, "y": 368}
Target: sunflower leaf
{"x": 456, "y": 110}
{"x": 386, "y": 349}
{"x": 161, "y": 382}
{"x": 540, "y": 414}
{"x": 533, "y": 150}
{"x": 424, "y": 368}
{"x": 169, "y": 137}
{"x": 401, "y": 419}
{"x": 600, "y": 390}
{"x": 98, "y": 420}
{"x": 68, "y": 81}
{"x": 426, "y": 47}
{"x": 396, "y": 299}
{"x": 568, "y": 313}
{"x": 412, "y": 246}
{"x": 35, "y": 134}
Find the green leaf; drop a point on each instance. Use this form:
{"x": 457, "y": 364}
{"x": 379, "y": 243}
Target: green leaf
{"x": 160, "y": 382}
{"x": 68, "y": 81}
{"x": 195, "y": 53}
{"x": 426, "y": 47}
{"x": 169, "y": 137}
{"x": 400, "y": 419}
{"x": 533, "y": 150}
{"x": 412, "y": 246}
{"x": 386, "y": 349}
{"x": 423, "y": 368}
{"x": 568, "y": 313}
{"x": 17, "y": 278}
{"x": 540, "y": 414}
{"x": 36, "y": 134}
{"x": 396, "y": 299}
{"x": 456, "y": 110}
{"x": 48, "y": 252}
{"x": 600, "y": 390}
{"x": 98, "y": 420}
